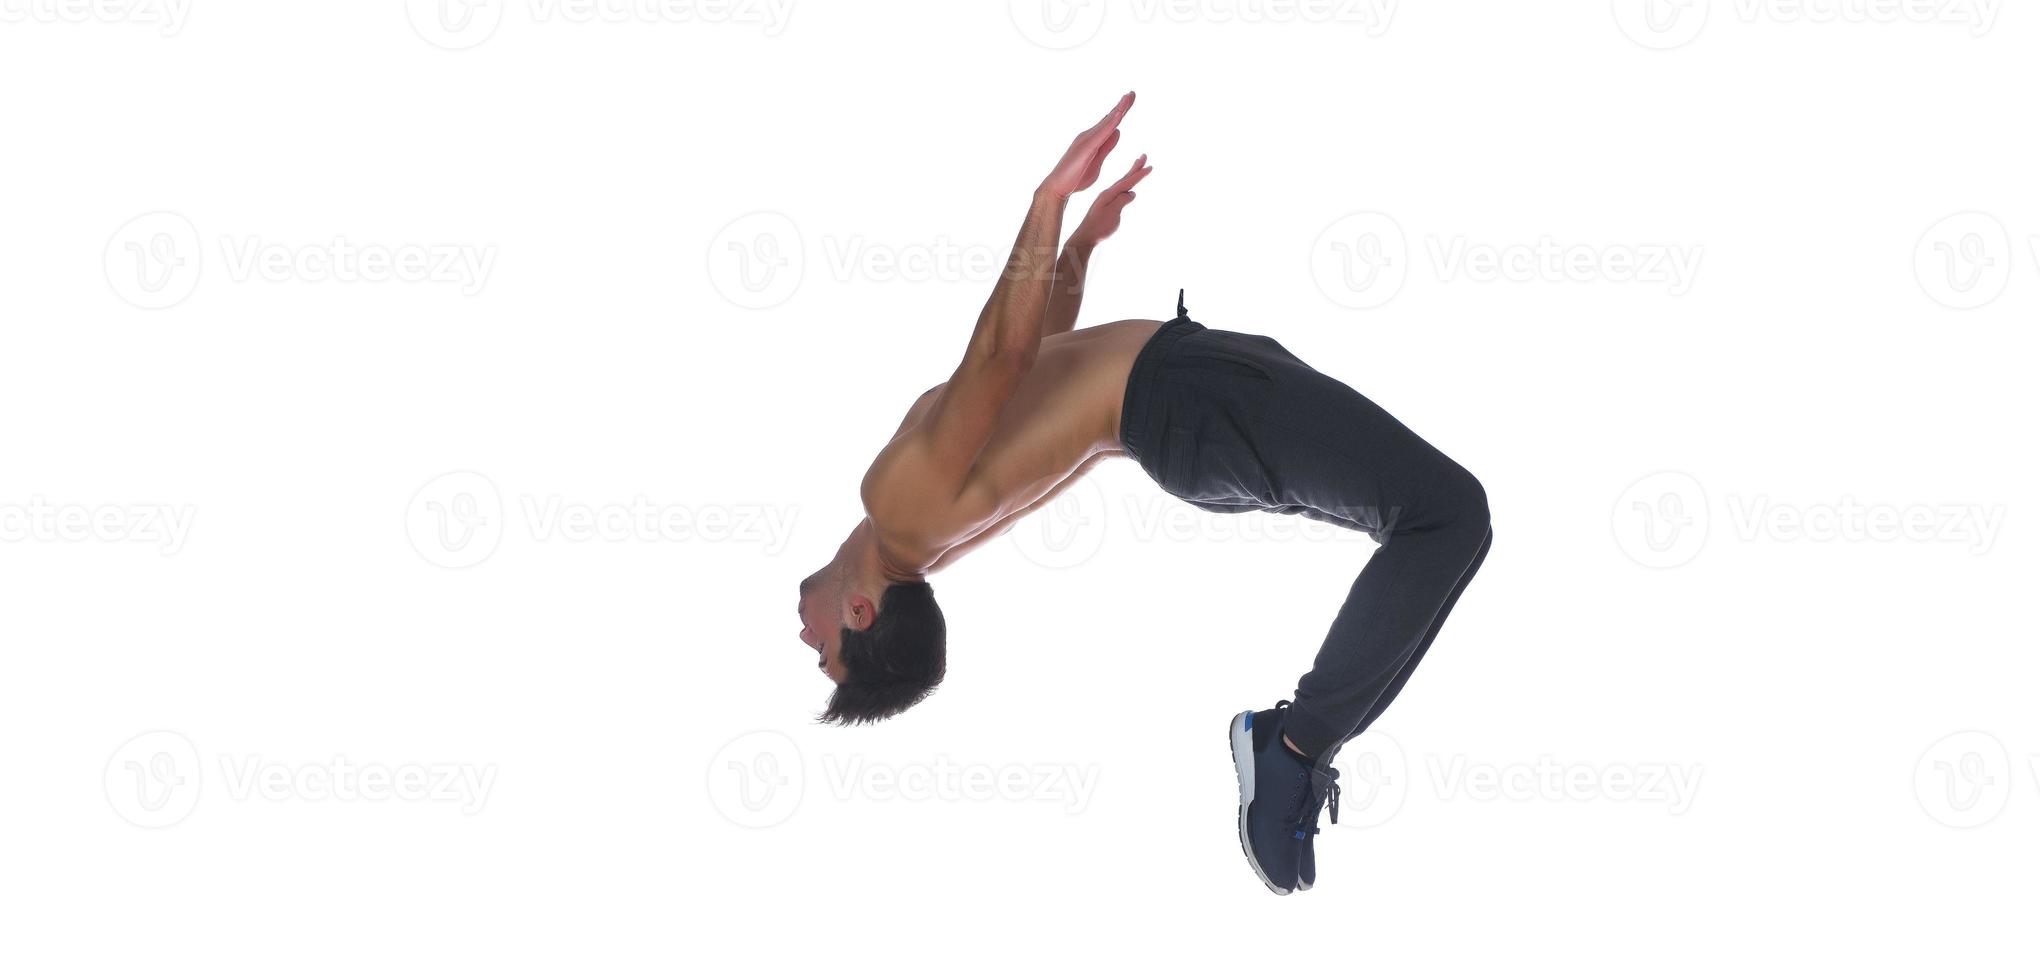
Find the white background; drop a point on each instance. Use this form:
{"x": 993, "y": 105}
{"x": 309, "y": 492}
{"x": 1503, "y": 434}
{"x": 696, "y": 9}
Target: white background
{"x": 1816, "y": 364}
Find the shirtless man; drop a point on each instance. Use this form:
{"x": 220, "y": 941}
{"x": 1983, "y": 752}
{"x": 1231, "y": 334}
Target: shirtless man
{"x": 1226, "y": 421}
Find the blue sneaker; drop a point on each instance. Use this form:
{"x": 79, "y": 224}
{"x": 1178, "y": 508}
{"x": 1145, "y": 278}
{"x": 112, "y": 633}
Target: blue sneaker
{"x": 1280, "y": 795}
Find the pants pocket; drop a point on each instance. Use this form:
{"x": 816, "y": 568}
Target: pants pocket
{"x": 1213, "y": 471}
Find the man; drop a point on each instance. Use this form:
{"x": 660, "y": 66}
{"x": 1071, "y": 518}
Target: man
{"x": 1227, "y": 421}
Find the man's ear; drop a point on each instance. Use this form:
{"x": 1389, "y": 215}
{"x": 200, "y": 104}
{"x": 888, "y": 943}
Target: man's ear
{"x": 862, "y": 611}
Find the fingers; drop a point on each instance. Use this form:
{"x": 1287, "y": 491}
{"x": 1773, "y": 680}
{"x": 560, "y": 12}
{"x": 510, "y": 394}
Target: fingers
{"x": 1116, "y": 197}
{"x": 1081, "y": 163}
{"x": 1123, "y": 187}
{"x": 1110, "y": 142}
{"x": 1110, "y": 121}
{"x": 1135, "y": 175}
{"x": 1118, "y": 111}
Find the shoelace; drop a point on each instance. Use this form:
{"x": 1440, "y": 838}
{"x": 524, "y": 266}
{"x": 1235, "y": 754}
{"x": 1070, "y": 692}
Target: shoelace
{"x": 1309, "y": 800}
{"x": 1317, "y": 800}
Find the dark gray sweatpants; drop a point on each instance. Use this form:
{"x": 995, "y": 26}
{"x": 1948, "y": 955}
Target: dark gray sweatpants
{"x": 1233, "y": 422}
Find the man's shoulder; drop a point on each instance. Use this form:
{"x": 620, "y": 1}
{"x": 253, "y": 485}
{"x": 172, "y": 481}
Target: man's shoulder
{"x": 896, "y": 489}
{"x": 900, "y": 506}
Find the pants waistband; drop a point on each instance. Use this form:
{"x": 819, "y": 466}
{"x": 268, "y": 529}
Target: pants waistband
{"x": 1135, "y": 427}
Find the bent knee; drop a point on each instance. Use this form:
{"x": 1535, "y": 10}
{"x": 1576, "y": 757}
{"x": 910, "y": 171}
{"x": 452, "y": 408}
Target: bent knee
{"x": 1462, "y": 499}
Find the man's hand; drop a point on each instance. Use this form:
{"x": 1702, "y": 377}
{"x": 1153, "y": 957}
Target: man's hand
{"x": 1103, "y": 219}
{"x": 1079, "y": 166}
{"x": 1098, "y": 224}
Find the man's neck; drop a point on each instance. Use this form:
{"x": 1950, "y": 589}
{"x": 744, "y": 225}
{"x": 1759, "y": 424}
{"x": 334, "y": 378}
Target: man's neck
{"x": 867, "y": 564}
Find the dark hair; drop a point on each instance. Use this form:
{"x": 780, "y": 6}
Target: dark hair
{"x": 894, "y": 664}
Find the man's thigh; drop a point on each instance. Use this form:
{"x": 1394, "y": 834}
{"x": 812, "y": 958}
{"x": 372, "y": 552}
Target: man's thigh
{"x": 1252, "y": 427}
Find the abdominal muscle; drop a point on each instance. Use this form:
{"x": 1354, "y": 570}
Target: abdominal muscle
{"x": 1062, "y": 421}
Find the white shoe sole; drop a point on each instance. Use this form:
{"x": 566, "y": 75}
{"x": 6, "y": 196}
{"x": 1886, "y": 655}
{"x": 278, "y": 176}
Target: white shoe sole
{"x": 1243, "y": 766}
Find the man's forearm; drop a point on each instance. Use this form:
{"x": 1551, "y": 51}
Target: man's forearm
{"x": 1011, "y": 324}
{"x": 1068, "y": 296}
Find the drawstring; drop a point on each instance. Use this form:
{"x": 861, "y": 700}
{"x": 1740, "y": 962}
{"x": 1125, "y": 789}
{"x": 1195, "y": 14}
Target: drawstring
{"x": 1181, "y": 310}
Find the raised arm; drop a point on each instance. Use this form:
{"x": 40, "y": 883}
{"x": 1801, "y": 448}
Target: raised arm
{"x": 1008, "y": 333}
{"x": 1098, "y": 224}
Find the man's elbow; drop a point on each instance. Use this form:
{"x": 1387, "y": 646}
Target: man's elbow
{"x": 1008, "y": 359}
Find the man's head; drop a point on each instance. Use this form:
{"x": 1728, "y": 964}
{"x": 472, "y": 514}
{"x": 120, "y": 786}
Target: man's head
{"x": 885, "y": 653}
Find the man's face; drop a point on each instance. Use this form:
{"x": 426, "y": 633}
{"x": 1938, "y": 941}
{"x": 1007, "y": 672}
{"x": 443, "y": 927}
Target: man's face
{"x": 821, "y": 621}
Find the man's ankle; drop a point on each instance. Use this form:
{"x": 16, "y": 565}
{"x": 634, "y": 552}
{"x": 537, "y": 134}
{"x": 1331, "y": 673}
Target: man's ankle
{"x": 1291, "y": 746}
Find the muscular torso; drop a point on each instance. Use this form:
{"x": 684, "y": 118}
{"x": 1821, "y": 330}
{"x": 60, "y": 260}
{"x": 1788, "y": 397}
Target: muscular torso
{"x": 1063, "y": 419}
